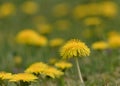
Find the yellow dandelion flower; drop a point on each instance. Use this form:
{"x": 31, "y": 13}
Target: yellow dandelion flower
{"x": 44, "y": 28}
{"x": 17, "y": 60}
{"x": 79, "y": 11}
{"x": 5, "y": 76}
{"x": 43, "y": 69}
{"x": 29, "y": 7}
{"x": 30, "y": 37}
{"x": 63, "y": 65}
{"x": 94, "y": 9}
{"x": 108, "y": 9}
{"x": 101, "y": 45}
{"x": 114, "y": 41}
{"x": 52, "y": 72}
{"x": 74, "y": 48}
{"x": 42, "y": 41}
{"x": 60, "y": 10}
{"x": 27, "y": 36}
{"x": 92, "y": 21}
{"x": 113, "y": 33}
{"x": 25, "y": 77}
{"x": 56, "y": 42}
{"x": 36, "y": 68}
{"x": 82, "y": 11}
{"x": 7, "y": 9}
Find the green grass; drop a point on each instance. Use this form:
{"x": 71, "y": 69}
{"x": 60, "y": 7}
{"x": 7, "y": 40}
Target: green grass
{"x": 99, "y": 69}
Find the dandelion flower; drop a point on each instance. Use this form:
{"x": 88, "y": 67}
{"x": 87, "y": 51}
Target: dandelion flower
{"x": 17, "y": 60}
{"x": 36, "y": 68}
{"x": 80, "y": 11}
{"x": 108, "y": 9}
{"x": 5, "y": 75}
{"x": 92, "y": 21}
{"x": 7, "y": 9}
{"x": 60, "y": 10}
{"x": 31, "y": 37}
{"x": 43, "y": 69}
{"x": 29, "y": 7}
{"x": 52, "y": 72}
{"x": 74, "y": 48}
{"x": 113, "y": 33}
{"x": 114, "y": 41}
{"x": 44, "y": 28}
{"x": 101, "y": 45}
{"x": 56, "y": 42}
{"x": 63, "y": 65}
{"x": 25, "y": 77}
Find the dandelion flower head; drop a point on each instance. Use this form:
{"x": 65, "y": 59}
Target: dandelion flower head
{"x": 56, "y": 42}
{"x": 74, "y": 48}
{"x": 29, "y": 7}
{"x": 101, "y": 45}
{"x": 114, "y": 41}
{"x": 7, "y": 9}
{"x": 5, "y": 75}
{"x": 30, "y": 37}
{"x": 63, "y": 65}
{"x": 52, "y": 72}
{"x": 36, "y": 68}
{"x": 25, "y": 77}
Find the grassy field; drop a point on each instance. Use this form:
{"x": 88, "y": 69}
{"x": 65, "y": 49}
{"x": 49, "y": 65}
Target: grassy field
{"x": 87, "y": 20}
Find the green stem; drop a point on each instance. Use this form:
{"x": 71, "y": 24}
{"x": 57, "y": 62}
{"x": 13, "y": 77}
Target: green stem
{"x": 61, "y": 82}
{"x": 79, "y": 71}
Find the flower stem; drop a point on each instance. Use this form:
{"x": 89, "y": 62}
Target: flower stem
{"x": 79, "y": 72}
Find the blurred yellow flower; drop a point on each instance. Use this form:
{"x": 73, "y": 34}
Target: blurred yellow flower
{"x": 37, "y": 68}
{"x": 114, "y": 41}
{"x": 7, "y": 9}
{"x": 42, "y": 41}
{"x": 106, "y": 8}
{"x": 44, "y": 28}
{"x": 79, "y": 11}
{"x": 30, "y": 37}
{"x": 92, "y": 21}
{"x": 56, "y": 42}
{"x": 25, "y": 77}
{"x": 94, "y": 9}
{"x": 43, "y": 69}
{"x": 109, "y": 9}
{"x": 52, "y": 72}
{"x": 60, "y": 10}
{"x": 62, "y": 24}
{"x": 74, "y": 48}
{"x": 17, "y": 60}
{"x": 100, "y": 45}
{"x": 29, "y": 7}
{"x": 63, "y": 65}
{"x": 5, "y": 75}
{"x": 113, "y": 33}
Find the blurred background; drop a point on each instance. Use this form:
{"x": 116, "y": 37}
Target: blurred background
{"x": 87, "y": 20}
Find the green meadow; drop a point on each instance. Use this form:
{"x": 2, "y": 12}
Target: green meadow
{"x": 90, "y": 21}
